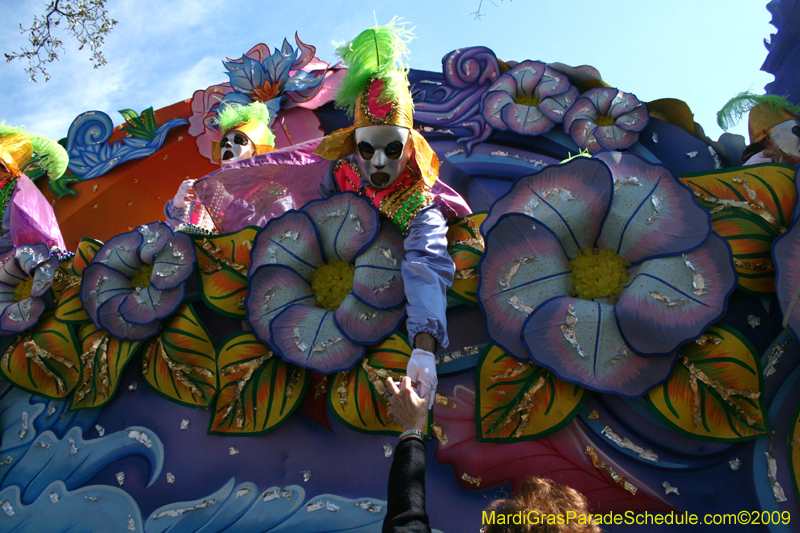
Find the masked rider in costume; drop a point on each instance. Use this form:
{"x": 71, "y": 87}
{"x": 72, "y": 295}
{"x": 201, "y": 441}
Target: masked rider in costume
{"x": 245, "y": 133}
{"x": 27, "y": 216}
{"x": 383, "y": 158}
{"x": 773, "y": 126}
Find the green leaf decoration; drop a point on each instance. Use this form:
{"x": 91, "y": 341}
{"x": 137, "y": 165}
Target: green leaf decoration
{"x": 60, "y": 188}
{"x": 223, "y": 261}
{"x": 750, "y": 206}
{"x": 86, "y": 251}
{"x": 103, "y": 358}
{"x": 465, "y": 245}
{"x": 356, "y": 396}
{"x": 180, "y": 362}
{"x": 521, "y": 401}
{"x": 69, "y": 308}
{"x": 716, "y": 390}
{"x": 44, "y": 360}
{"x": 257, "y": 389}
{"x": 143, "y": 127}
{"x": 67, "y": 283}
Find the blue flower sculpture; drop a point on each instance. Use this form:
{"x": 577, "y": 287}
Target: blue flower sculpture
{"x": 330, "y": 246}
{"x": 136, "y": 279}
{"x": 272, "y": 80}
{"x": 600, "y": 269}
{"x": 26, "y": 275}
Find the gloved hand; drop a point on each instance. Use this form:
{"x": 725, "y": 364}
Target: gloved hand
{"x": 422, "y": 370}
{"x": 186, "y": 188}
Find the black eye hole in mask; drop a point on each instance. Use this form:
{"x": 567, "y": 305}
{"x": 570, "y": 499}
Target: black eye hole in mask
{"x": 796, "y": 130}
{"x": 394, "y": 150}
{"x": 241, "y": 140}
{"x": 366, "y": 150}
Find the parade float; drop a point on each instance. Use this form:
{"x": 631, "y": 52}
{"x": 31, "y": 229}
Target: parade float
{"x": 623, "y": 318}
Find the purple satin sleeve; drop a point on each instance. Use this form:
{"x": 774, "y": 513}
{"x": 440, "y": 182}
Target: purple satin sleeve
{"x": 29, "y": 218}
{"x": 428, "y": 272}
{"x": 176, "y": 216}
{"x": 255, "y": 190}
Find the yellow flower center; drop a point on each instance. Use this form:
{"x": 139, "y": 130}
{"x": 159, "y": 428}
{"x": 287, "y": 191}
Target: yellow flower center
{"x": 527, "y": 99}
{"x": 142, "y": 277}
{"x": 331, "y": 282}
{"x": 603, "y": 120}
{"x": 598, "y": 273}
{"x": 23, "y": 290}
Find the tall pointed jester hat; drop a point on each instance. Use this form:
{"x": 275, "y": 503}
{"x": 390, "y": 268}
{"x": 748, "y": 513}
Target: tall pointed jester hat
{"x": 375, "y": 93}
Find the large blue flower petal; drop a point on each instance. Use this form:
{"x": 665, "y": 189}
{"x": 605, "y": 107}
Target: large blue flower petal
{"x": 121, "y": 253}
{"x": 174, "y": 263}
{"x": 30, "y": 256}
{"x": 272, "y": 289}
{"x": 363, "y": 324}
{"x": 571, "y": 199}
{"x": 378, "y": 280}
{"x": 672, "y": 300}
{"x": 245, "y": 75}
{"x": 290, "y": 240}
{"x": 652, "y": 214}
{"x": 309, "y": 337}
{"x": 111, "y": 320}
{"x": 19, "y": 316}
{"x": 43, "y": 276}
{"x": 580, "y": 342}
{"x": 100, "y": 283}
{"x": 143, "y": 306}
{"x": 154, "y": 236}
{"x": 786, "y": 256}
{"x": 523, "y": 266}
{"x": 347, "y": 224}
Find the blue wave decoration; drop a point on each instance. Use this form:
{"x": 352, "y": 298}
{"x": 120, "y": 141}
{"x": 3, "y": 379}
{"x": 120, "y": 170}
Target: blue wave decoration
{"x": 467, "y": 74}
{"x": 243, "y": 508}
{"x": 89, "y": 154}
{"x": 75, "y": 461}
{"x": 97, "y": 508}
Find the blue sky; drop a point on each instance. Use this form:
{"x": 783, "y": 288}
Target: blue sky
{"x": 163, "y": 50}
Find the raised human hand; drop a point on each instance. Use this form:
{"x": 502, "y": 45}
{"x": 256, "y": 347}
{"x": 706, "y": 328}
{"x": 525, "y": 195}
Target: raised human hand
{"x": 186, "y": 189}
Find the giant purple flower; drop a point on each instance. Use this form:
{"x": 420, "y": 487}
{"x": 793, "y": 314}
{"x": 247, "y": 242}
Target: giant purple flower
{"x": 529, "y": 99}
{"x": 786, "y": 256}
{"x": 630, "y": 232}
{"x": 605, "y": 117}
{"x": 137, "y": 279}
{"x": 27, "y": 273}
{"x": 281, "y": 307}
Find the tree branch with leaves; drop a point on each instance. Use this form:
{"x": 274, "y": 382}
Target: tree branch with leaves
{"x": 86, "y": 21}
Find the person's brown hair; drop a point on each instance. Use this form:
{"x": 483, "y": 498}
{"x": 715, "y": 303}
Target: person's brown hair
{"x": 547, "y": 499}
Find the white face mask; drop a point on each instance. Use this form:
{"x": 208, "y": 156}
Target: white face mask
{"x": 235, "y": 146}
{"x": 383, "y": 153}
{"x": 786, "y": 137}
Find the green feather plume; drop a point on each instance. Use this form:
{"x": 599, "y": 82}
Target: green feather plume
{"x": 379, "y": 52}
{"x": 52, "y": 157}
{"x": 732, "y": 112}
{"x": 232, "y": 115}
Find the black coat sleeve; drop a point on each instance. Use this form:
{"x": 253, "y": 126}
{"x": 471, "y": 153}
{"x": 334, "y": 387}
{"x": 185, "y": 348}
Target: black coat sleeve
{"x": 405, "y": 509}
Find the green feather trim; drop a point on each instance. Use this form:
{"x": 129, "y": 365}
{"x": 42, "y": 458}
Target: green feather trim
{"x": 380, "y": 53}
{"x": 53, "y": 158}
{"x": 732, "y": 112}
{"x": 232, "y": 115}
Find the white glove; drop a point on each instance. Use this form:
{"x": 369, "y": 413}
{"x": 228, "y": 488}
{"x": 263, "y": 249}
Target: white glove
{"x": 180, "y": 197}
{"x": 422, "y": 370}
